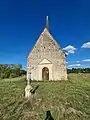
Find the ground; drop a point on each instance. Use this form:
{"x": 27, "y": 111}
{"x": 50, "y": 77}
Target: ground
{"x": 66, "y": 100}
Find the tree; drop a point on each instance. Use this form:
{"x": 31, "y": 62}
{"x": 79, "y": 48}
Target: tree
{"x": 11, "y": 70}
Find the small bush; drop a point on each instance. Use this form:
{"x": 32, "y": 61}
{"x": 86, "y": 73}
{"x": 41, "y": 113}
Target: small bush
{"x": 7, "y": 74}
{"x": 2, "y": 75}
{"x": 12, "y": 75}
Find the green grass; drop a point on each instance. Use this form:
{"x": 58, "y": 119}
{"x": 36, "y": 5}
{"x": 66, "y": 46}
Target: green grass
{"x": 66, "y": 100}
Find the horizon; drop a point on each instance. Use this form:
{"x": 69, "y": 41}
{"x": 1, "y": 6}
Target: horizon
{"x": 21, "y": 23}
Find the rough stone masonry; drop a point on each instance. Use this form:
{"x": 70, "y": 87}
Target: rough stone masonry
{"x": 46, "y": 61}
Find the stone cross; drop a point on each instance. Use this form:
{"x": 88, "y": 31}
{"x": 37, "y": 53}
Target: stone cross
{"x": 28, "y": 88}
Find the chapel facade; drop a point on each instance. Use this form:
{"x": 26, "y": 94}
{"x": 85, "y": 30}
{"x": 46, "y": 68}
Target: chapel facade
{"x": 46, "y": 61}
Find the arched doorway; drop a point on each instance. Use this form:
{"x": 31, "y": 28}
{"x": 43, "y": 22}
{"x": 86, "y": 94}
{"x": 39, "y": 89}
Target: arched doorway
{"x": 45, "y": 73}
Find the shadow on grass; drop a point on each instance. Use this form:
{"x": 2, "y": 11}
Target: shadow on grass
{"x": 49, "y": 116}
{"x": 34, "y": 90}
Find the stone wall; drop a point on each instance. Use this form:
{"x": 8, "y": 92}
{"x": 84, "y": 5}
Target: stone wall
{"x": 46, "y": 47}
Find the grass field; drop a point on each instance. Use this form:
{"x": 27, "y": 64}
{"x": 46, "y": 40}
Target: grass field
{"x": 66, "y": 100}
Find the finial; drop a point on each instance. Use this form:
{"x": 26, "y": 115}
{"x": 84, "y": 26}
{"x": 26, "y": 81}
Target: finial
{"x": 47, "y": 23}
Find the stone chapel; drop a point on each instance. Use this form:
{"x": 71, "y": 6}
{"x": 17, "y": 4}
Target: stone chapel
{"x": 46, "y": 61}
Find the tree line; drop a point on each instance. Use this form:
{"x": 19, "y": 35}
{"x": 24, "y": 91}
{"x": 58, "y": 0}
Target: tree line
{"x": 11, "y": 70}
{"x": 79, "y": 70}
{"x": 15, "y": 70}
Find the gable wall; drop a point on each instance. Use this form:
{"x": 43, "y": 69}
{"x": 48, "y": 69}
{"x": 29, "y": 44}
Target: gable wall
{"x": 46, "y": 47}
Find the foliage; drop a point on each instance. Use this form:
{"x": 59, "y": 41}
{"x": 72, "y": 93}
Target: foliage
{"x": 79, "y": 70}
{"x": 12, "y": 75}
{"x": 66, "y": 100}
{"x": 11, "y": 70}
{"x": 2, "y": 75}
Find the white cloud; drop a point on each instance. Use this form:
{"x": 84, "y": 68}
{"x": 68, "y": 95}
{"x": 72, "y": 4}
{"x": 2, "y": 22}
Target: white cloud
{"x": 86, "y": 45}
{"x": 74, "y": 65}
{"x": 77, "y": 61}
{"x": 67, "y": 62}
{"x": 70, "y": 49}
{"x": 86, "y": 60}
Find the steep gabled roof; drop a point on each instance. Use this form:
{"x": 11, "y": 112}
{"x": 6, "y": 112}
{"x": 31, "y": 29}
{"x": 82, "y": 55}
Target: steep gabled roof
{"x": 45, "y": 35}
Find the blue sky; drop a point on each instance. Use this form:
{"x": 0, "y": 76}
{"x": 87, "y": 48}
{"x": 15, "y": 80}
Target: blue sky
{"x": 22, "y": 21}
